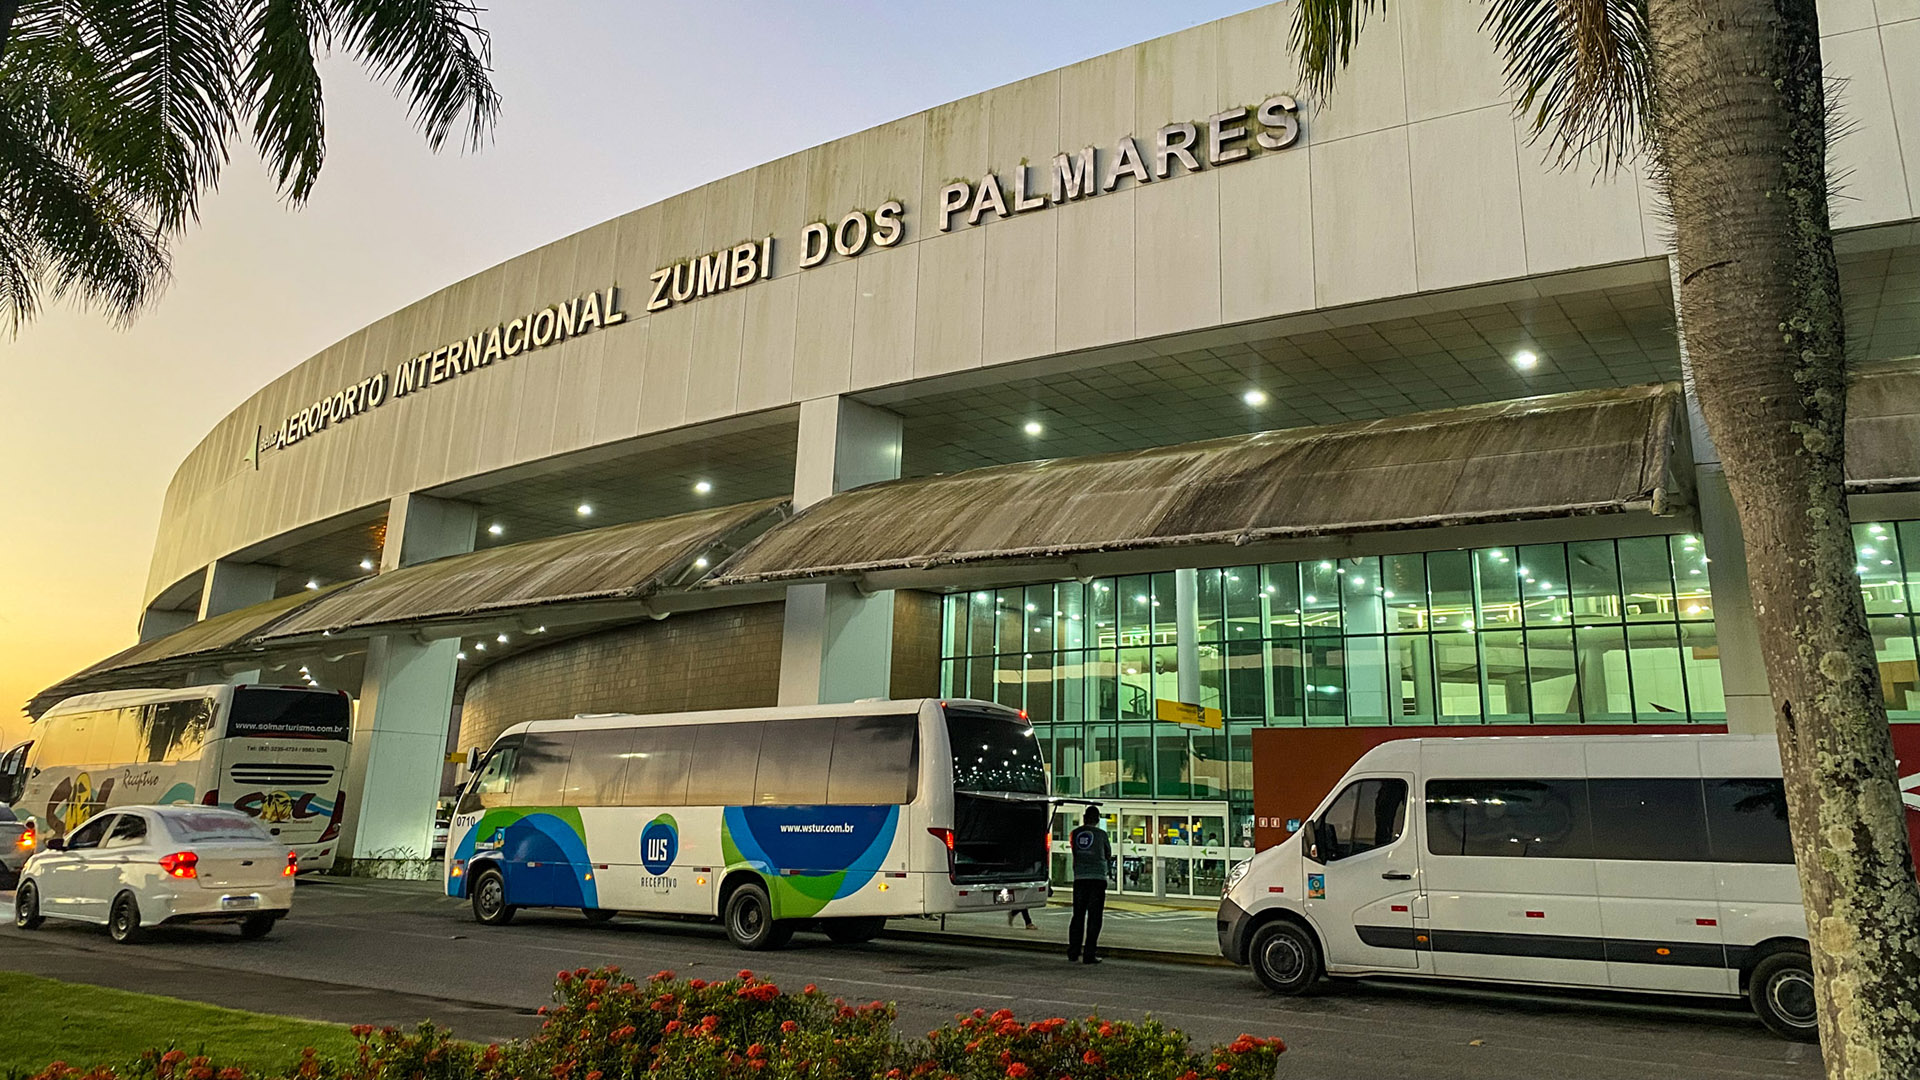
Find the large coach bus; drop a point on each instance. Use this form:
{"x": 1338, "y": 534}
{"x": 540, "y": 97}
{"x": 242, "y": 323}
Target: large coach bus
{"x": 275, "y": 753}
{"x": 834, "y": 816}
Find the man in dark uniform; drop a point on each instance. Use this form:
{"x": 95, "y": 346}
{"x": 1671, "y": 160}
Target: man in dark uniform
{"x": 1091, "y": 853}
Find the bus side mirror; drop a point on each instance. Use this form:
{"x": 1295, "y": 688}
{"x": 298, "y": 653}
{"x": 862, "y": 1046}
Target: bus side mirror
{"x": 1310, "y": 841}
{"x": 473, "y": 760}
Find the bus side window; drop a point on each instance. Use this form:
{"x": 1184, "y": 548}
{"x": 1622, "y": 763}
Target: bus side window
{"x": 875, "y": 759}
{"x": 793, "y": 770}
{"x": 540, "y": 770}
{"x": 657, "y": 766}
{"x": 173, "y": 730}
{"x": 597, "y": 771}
{"x": 725, "y": 759}
{"x": 1369, "y": 814}
{"x": 493, "y": 784}
{"x": 116, "y": 741}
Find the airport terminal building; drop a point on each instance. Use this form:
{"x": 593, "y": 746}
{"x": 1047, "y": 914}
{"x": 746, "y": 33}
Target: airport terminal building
{"x": 1143, "y": 381}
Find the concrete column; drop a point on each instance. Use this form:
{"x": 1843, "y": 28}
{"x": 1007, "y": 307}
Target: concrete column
{"x": 1186, "y": 635}
{"x": 157, "y": 623}
{"x": 406, "y": 704}
{"x": 1743, "y": 670}
{"x": 231, "y": 586}
{"x": 837, "y": 643}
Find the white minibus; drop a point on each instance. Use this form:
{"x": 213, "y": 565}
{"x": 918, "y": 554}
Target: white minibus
{"x": 834, "y": 816}
{"x": 275, "y": 753}
{"x": 1655, "y": 863}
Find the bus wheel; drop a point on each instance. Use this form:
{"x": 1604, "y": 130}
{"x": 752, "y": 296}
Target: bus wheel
{"x": 855, "y": 930}
{"x": 598, "y": 914}
{"x": 1285, "y": 958}
{"x": 490, "y": 905}
{"x": 1781, "y": 990}
{"x": 750, "y": 921}
{"x": 26, "y": 907}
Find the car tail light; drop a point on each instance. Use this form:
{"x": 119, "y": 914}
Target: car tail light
{"x": 27, "y": 840}
{"x": 945, "y": 836}
{"x": 180, "y": 864}
{"x": 293, "y": 864}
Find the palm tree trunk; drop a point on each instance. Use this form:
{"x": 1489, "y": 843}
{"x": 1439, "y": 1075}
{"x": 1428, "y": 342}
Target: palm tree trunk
{"x": 1740, "y": 123}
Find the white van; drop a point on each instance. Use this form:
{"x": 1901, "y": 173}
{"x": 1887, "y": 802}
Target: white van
{"x": 1634, "y": 862}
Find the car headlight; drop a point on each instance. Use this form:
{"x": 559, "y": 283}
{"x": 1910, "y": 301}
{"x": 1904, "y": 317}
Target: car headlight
{"x": 1235, "y": 875}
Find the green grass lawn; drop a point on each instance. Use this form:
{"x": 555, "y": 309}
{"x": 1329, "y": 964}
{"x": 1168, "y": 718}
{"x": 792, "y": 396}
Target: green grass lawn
{"x": 42, "y": 1020}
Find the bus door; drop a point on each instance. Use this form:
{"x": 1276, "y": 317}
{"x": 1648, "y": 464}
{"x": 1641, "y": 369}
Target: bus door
{"x": 1362, "y": 886}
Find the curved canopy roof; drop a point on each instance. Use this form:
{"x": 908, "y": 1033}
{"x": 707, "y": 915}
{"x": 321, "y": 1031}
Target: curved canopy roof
{"x": 1588, "y": 452}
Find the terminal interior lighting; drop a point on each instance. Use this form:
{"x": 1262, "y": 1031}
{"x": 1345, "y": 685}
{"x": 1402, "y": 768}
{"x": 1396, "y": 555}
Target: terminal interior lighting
{"x": 584, "y": 509}
{"x": 1525, "y": 359}
{"x": 1254, "y": 398}
{"x": 312, "y": 584}
{"x": 496, "y": 529}
{"x": 366, "y": 564}
{"x": 1033, "y": 427}
{"x": 702, "y": 487}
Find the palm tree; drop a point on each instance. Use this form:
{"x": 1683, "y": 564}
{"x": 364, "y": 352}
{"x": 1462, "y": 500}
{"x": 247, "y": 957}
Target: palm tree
{"x": 116, "y": 115}
{"x": 1727, "y": 100}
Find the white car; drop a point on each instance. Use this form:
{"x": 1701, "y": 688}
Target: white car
{"x": 137, "y": 867}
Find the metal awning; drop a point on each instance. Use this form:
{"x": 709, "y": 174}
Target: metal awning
{"x": 1588, "y": 452}
{"x": 1883, "y": 427}
{"x": 598, "y": 573}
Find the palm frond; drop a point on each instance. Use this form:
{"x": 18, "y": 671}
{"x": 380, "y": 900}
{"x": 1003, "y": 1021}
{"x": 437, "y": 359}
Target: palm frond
{"x": 434, "y": 53}
{"x": 1581, "y": 69}
{"x": 1324, "y": 32}
{"x": 282, "y": 89}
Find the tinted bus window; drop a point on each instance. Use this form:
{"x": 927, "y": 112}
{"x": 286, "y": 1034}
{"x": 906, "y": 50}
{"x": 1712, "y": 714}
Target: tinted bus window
{"x": 1747, "y": 821}
{"x": 793, "y": 763}
{"x": 175, "y": 730}
{"x": 725, "y": 759}
{"x": 1651, "y": 820}
{"x": 657, "y": 764}
{"x": 596, "y": 773}
{"x": 994, "y": 752}
{"x": 541, "y": 771}
{"x": 298, "y": 714}
{"x": 1530, "y": 819}
{"x": 875, "y": 760}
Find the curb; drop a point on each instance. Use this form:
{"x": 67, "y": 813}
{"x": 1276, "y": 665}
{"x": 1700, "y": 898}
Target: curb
{"x": 1115, "y": 952}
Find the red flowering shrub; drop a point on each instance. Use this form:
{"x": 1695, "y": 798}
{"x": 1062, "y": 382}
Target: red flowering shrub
{"x": 605, "y": 1026}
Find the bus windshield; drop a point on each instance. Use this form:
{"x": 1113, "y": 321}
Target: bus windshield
{"x": 994, "y": 752}
{"x": 270, "y": 712}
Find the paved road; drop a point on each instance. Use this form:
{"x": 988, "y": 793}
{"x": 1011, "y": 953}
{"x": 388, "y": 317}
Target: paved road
{"x": 395, "y": 952}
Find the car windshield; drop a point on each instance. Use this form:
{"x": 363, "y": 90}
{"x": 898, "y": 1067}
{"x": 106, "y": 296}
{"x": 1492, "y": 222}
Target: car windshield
{"x": 192, "y": 825}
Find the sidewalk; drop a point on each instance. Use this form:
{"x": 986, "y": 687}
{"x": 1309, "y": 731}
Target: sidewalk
{"x": 1132, "y": 929}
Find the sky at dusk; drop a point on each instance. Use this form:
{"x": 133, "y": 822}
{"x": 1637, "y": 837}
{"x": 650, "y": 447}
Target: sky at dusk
{"x": 608, "y": 106}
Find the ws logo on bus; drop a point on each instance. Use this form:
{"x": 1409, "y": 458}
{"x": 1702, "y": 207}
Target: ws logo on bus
{"x": 659, "y": 844}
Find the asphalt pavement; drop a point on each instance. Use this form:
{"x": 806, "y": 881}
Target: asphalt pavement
{"x": 398, "y": 952}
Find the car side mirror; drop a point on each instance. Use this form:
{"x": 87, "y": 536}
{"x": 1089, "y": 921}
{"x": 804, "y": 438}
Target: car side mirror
{"x": 55, "y": 843}
{"x": 1310, "y": 841}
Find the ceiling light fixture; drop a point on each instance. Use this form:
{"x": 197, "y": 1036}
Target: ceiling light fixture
{"x": 1033, "y": 427}
{"x": 584, "y": 509}
{"x": 702, "y": 487}
{"x": 1254, "y": 398}
{"x": 366, "y": 564}
{"x": 1525, "y": 359}
{"x": 496, "y": 529}
{"x": 312, "y": 584}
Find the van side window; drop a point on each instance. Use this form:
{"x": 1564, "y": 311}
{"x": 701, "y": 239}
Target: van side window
{"x": 1532, "y": 819}
{"x": 1747, "y": 821}
{"x": 1369, "y": 814}
{"x": 1648, "y": 820}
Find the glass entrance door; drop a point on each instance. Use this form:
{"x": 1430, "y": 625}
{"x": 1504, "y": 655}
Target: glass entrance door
{"x": 1177, "y": 850}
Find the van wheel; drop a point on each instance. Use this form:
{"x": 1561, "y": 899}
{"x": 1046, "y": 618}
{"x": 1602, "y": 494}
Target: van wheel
{"x": 26, "y": 907}
{"x": 1285, "y": 957}
{"x": 123, "y": 925}
{"x": 1781, "y": 989}
{"x": 750, "y": 921}
{"x": 490, "y": 905}
{"x": 853, "y": 931}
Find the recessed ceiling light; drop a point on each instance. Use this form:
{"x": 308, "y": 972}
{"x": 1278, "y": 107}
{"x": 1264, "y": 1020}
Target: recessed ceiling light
{"x": 584, "y": 509}
{"x": 1254, "y": 398}
{"x": 366, "y": 564}
{"x": 496, "y": 529}
{"x": 311, "y": 584}
{"x": 460, "y": 655}
{"x": 701, "y": 487}
{"x": 502, "y": 639}
{"x": 1525, "y": 359}
{"x": 1033, "y": 427}
{"x": 481, "y": 645}
{"x": 700, "y": 563}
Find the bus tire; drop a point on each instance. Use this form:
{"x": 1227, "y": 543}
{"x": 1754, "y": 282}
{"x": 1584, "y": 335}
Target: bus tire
{"x": 26, "y": 907}
{"x": 856, "y": 930}
{"x": 123, "y": 924}
{"x": 1285, "y": 958}
{"x": 598, "y": 914}
{"x": 1781, "y": 990}
{"x": 750, "y": 922}
{"x": 490, "y": 907}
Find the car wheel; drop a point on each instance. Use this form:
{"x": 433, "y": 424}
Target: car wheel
{"x": 1781, "y": 989}
{"x": 123, "y": 925}
{"x": 750, "y": 921}
{"x": 255, "y": 927}
{"x": 598, "y": 914}
{"x": 853, "y": 931}
{"x": 26, "y": 907}
{"x": 1285, "y": 957}
{"x": 490, "y": 905}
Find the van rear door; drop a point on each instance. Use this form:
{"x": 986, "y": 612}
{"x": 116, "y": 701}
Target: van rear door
{"x": 1363, "y": 892}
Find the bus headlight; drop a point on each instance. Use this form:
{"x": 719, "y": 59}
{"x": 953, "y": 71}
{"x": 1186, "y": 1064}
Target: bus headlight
{"x": 1235, "y": 875}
